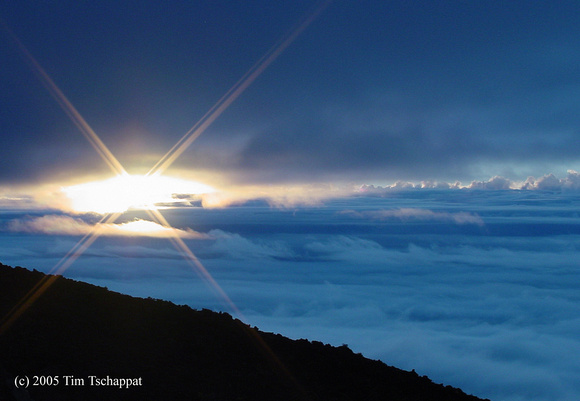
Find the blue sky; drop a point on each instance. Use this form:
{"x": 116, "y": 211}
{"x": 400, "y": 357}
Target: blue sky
{"x": 401, "y": 178}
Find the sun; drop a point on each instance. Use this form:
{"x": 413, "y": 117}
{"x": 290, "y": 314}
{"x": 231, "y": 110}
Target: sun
{"x": 125, "y": 192}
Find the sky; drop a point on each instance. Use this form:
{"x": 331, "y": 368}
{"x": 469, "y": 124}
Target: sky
{"x": 399, "y": 176}
{"x": 371, "y": 92}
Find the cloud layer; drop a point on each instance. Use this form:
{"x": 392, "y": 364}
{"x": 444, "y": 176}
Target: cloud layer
{"x": 474, "y": 288}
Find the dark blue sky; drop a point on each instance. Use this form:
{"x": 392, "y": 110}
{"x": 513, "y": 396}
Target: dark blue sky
{"x": 371, "y": 92}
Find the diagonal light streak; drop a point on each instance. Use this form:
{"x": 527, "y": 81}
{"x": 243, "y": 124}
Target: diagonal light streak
{"x": 235, "y": 91}
{"x": 67, "y": 106}
{"x": 61, "y": 266}
{"x": 79, "y": 248}
{"x": 193, "y": 261}
{"x": 254, "y": 336}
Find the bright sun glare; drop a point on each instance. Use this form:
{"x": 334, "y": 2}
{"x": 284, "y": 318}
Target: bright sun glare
{"x": 124, "y": 192}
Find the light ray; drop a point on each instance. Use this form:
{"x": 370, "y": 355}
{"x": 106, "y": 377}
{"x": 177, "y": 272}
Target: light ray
{"x": 235, "y": 91}
{"x": 67, "y": 106}
{"x": 61, "y": 266}
{"x": 278, "y": 365}
{"x": 193, "y": 261}
{"x": 79, "y": 248}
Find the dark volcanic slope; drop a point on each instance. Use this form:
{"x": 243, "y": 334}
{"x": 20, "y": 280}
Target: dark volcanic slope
{"x": 77, "y": 329}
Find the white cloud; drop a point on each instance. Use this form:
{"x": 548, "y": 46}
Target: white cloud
{"x": 548, "y": 182}
{"x": 495, "y": 183}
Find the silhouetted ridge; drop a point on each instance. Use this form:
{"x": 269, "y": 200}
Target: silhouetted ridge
{"x": 77, "y": 329}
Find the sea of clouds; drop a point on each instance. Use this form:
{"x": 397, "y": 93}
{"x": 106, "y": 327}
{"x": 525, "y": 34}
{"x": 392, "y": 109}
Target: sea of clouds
{"x": 474, "y": 287}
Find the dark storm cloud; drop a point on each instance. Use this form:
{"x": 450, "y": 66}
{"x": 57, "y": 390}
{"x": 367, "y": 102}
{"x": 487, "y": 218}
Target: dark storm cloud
{"x": 446, "y": 142}
{"x": 358, "y": 153}
{"x": 459, "y": 86}
{"x": 373, "y": 90}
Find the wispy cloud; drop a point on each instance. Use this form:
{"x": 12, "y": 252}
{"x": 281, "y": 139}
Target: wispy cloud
{"x": 283, "y": 196}
{"x": 66, "y": 225}
{"x": 413, "y": 214}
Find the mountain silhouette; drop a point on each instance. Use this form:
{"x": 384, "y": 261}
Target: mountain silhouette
{"x": 102, "y": 345}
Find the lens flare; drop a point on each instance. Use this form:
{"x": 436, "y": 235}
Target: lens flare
{"x": 124, "y": 192}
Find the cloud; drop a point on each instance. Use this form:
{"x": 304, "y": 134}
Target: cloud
{"x": 547, "y": 182}
{"x": 234, "y": 246}
{"x": 50, "y": 195}
{"x": 11, "y": 202}
{"x": 495, "y": 184}
{"x": 551, "y": 183}
{"x": 283, "y": 196}
{"x": 66, "y": 225}
{"x": 413, "y": 214}
{"x": 456, "y": 315}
